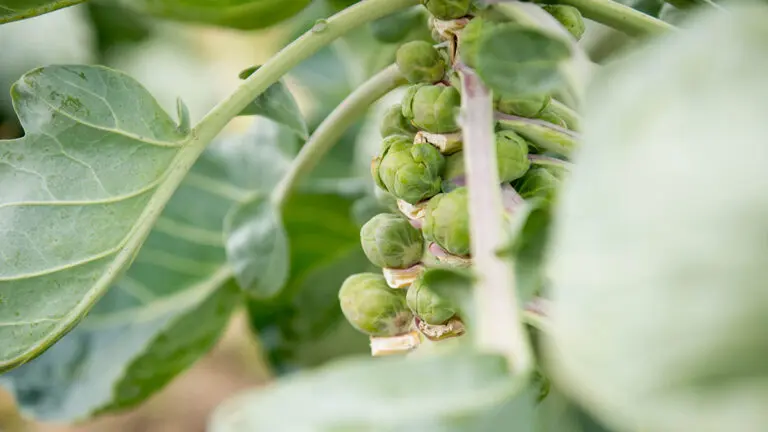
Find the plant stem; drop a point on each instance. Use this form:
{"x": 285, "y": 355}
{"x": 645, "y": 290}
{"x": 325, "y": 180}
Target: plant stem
{"x": 620, "y": 17}
{"x": 571, "y": 117}
{"x": 499, "y": 322}
{"x": 333, "y": 127}
{"x": 302, "y": 48}
{"x": 38, "y": 10}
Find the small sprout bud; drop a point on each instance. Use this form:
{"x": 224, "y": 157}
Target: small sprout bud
{"x": 525, "y": 106}
{"x": 391, "y": 241}
{"x": 420, "y": 62}
{"x": 394, "y": 123}
{"x": 538, "y": 182}
{"x": 411, "y": 172}
{"x": 428, "y": 305}
{"x": 447, "y": 9}
{"x": 549, "y": 116}
{"x": 446, "y": 222}
{"x": 384, "y": 346}
{"x": 512, "y": 156}
{"x": 402, "y": 278}
{"x": 432, "y": 108}
{"x": 372, "y": 307}
{"x": 454, "y": 173}
{"x": 569, "y": 17}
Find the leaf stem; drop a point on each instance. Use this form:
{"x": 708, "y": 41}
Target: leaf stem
{"x": 620, "y": 17}
{"x": 302, "y": 48}
{"x": 333, "y": 127}
{"x": 499, "y": 321}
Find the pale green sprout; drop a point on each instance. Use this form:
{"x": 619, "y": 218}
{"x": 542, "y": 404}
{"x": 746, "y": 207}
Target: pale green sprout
{"x": 372, "y": 307}
{"x": 391, "y": 241}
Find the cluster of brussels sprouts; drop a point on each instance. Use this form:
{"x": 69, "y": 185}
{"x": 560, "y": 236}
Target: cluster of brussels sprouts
{"x": 420, "y": 166}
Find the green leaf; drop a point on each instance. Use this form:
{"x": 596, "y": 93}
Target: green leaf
{"x": 172, "y": 303}
{"x": 94, "y": 371}
{"x": 544, "y": 135}
{"x": 659, "y": 247}
{"x": 239, "y": 14}
{"x": 454, "y": 285}
{"x": 277, "y": 103}
{"x": 257, "y": 247}
{"x": 530, "y": 234}
{"x": 517, "y": 60}
{"x": 304, "y": 326}
{"x": 99, "y": 160}
{"x": 14, "y": 10}
{"x": 421, "y": 392}
{"x": 556, "y": 413}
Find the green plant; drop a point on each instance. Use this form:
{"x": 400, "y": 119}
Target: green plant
{"x": 519, "y": 275}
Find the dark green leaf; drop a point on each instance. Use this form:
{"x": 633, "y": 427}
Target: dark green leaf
{"x": 14, "y": 10}
{"x": 278, "y": 104}
{"x": 257, "y": 247}
{"x": 240, "y": 14}
{"x": 305, "y": 327}
{"x": 115, "y": 25}
{"x": 96, "y": 370}
{"x": 518, "y": 60}
{"x": 658, "y": 254}
{"x": 139, "y": 335}
{"x": 421, "y": 392}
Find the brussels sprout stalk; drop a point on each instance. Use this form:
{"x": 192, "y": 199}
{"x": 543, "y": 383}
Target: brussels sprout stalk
{"x": 499, "y": 322}
{"x": 401, "y": 344}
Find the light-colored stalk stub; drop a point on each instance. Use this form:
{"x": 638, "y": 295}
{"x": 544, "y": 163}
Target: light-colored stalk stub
{"x": 446, "y": 143}
{"x": 414, "y": 212}
{"x": 392, "y": 345}
{"x": 450, "y": 28}
{"x": 453, "y": 328}
{"x": 402, "y": 278}
{"x": 510, "y": 199}
{"x": 445, "y": 258}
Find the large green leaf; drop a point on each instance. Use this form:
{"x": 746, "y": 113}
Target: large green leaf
{"x": 424, "y": 393}
{"x": 13, "y": 10}
{"x": 240, "y": 14}
{"x": 170, "y": 306}
{"x": 517, "y": 60}
{"x": 660, "y": 282}
{"x": 83, "y": 187}
{"x": 304, "y": 326}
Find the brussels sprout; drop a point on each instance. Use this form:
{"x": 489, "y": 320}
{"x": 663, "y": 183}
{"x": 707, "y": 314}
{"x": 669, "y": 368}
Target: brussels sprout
{"x": 410, "y": 172}
{"x": 420, "y": 62}
{"x": 391, "y": 241}
{"x": 569, "y": 17}
{"x": 432, "y": 108}
{"x": 454, "y": 173}
{"x": 447, "y": 9}
{"x": 550, "y": 116}
{"x": 372, "y": 307}
{"x": 523, "y": 106}
{"x": 446, "y": 221}
{"x": 511, "y": 155}
{"x": 394, "y": 123}
{"x": 396, "y": 27}
{"x": 427, "y": 304}
{"x": 538, "y": 182}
